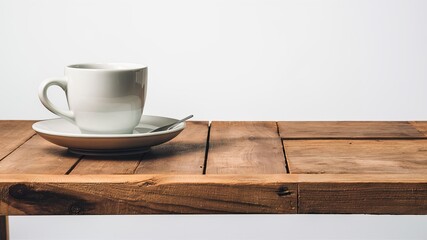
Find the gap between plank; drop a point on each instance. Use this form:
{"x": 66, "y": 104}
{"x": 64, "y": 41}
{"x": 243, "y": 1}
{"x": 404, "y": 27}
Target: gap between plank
{"x": 283, "y": 149}
{"x": 13, "y": 150}
{"x": 139, "y": 162}
{"x": 205, "y": 163}
{"x": 74, "y": 165}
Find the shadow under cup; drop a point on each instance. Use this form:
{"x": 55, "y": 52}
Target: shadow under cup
{"x": 103, "y": 98}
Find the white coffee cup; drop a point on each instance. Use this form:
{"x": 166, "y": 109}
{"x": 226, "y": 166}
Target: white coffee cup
{"x": 103, "y": 98}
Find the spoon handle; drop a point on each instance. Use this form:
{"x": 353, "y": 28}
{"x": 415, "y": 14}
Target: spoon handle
{"x": 180, "y": 121}
{"x": 172, "y": 125}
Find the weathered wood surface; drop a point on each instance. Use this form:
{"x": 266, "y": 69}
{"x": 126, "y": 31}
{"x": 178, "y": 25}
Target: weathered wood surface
{"x": 245, "y": 148}
{"x": 107, "y": 165}
{"x": 357, "y": 156}
{"x": 362, "y": 193}
{"x": 185, "y": 154}
{"x": 13, "y": 134}
{"x": 362, "y": 198}
{"x": 354, "y": 167}
{"x": 160, "y": 194}
{"x": 420, "y": 126}
{"x": 348, "y": 130}
{"x": 38, "y": 156}
{"x": 144, "y": 194}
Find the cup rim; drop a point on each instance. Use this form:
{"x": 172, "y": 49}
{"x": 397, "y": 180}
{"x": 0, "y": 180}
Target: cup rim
{"x": 106, "y": 67}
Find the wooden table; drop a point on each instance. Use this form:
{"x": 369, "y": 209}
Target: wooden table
{"x": 224, "y": 167}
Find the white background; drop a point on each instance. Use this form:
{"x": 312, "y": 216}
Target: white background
{"x": 226, "y": 60}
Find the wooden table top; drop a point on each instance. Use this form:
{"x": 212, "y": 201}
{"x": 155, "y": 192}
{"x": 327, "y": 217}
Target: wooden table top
{"x": 225, "y": 167}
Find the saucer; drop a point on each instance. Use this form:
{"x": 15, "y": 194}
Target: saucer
{"x": 63, "y": 133}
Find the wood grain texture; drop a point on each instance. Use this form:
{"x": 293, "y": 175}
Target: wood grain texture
{"x": 362, "y": 198}
{"x": 362, "y": 193}
{"x": 245, "y": 148}
{"x": 145, "y": 194}
{"x": 107, "y": 165}
{"x": 13, "y": 134}
{"x": 244, "y": 173}
{"x": 271, "y": 193}
{"x": 420, "y": 126}
{"x": 184, "y": 154}
{"x": 38, "y": 156}
{"x": 4, "y": 228}
{"x": 356, "y": 156}
{"x": 348, "y": 130}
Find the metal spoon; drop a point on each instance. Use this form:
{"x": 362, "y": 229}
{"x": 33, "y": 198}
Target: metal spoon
{"x": 170, "y": 126}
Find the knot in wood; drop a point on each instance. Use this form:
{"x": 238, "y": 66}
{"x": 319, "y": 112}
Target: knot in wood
{"x": 148, "y": 182}
{"x": 252, "y": 138}
{"x": 75, "y": 209}
{"x": 18, "y": 191}
{"x": 283, "y": 191}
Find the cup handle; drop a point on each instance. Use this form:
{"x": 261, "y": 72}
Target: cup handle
{"x": 62, "y": 83}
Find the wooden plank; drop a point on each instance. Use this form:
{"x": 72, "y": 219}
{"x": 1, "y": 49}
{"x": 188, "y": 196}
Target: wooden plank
{"x": 38, "y": 156}
{"x": 245, "y": 148}
{"x": 420, "y": 126}
{"x": 4, "y": 228}
{"x": 145, "y": 194}
{"x": 184, "y": 154}
{"x": 360, "y": 178}
{"x": 362, "y": 198}
{"x": 348, "y": 130}
{"x": 356, "y": 156}
{"x": 13, "y": 134}
{"x": 362, "y": 193}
